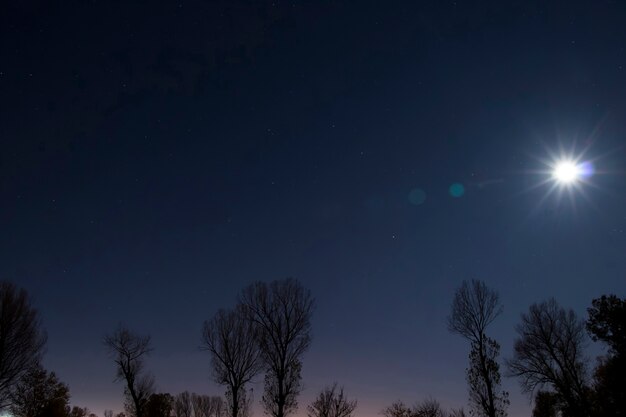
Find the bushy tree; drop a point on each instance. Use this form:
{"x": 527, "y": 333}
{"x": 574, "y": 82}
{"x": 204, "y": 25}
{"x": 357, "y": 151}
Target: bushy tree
{"x": 607, "y": 324}
{"x": 78, "y": 412}
{"x": 547, "y": 404}
{"x": 40, "y": 394}
{"x": 159, "y": 405}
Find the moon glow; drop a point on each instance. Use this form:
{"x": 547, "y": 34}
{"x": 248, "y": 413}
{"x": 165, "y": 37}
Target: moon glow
{"x": 567, "y": 172}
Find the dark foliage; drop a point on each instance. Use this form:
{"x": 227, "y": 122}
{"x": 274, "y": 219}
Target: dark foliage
{"x": 78, "y": 412}
{"x": 607, "y": 323}
{"x": 159, "y": 405}
{"x": 40, "y": 394}
{"x": 547, "y": 404}
{"x": 484, "y": 367}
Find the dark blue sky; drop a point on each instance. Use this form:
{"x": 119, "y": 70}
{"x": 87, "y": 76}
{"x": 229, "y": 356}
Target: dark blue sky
{"x": 156, "y": 157}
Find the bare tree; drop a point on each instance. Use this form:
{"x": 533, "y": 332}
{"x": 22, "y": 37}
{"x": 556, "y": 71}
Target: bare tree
{"x": 474, "y": 308}
{"x": 331, "y": 402}
{"x": 397, "y": 409}
{"x": 201, "y": 405}
{"x": 182, "y": 405}
{"x": 428, "y": 408}
{"x": 206, "y": 406}
{"x": 217, "y": 405}
{"x": 457, "y": 412}
{"x": 22, "y": 339}
{"x": 282, "y": 313}
{"x": 231, "y": 338}
{"x": 108, "y": 413}
{"x": 549, "y": 351}
{"x": 128, "y": 351}
{"x": 425, "y": 408}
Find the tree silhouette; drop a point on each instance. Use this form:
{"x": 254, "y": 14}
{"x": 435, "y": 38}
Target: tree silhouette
{"x": 128, "y": 351}
{"x": 428, "y": 408}
{"x": 549, "y": 351}
{"x": 474, "y": 308}
{"x": 78, "y": 412}
{"x": 425, "y": 408}
{"x": 484, "y": 362}
{"x": 331, "y": 402}
{"x": 547, "y": 404}
{"x": 40, "y": 394}
{"x": 282, "y": 313}
{"x": 21, "y": 339}
{"x": 206, "y": 406}
{"x": 231, "y": 339}
{"x": 217, "y": 406}
{"x": 457, "y": 412}
{"x": 182, "y": 405}
{"x": 397, "y": 409}
{"x": 607, "y": 323}
{"x": 159, "y": 405}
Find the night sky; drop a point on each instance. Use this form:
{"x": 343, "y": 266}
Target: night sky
{"x": 158, "y": 156}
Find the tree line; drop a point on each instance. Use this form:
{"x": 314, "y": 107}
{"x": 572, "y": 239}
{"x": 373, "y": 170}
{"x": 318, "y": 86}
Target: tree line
{"x": 268, "y": 331}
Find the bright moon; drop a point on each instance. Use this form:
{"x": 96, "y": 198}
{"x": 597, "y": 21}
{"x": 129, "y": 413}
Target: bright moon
{"x": 566, "y": 172}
